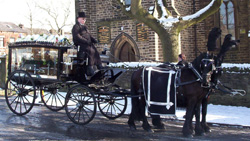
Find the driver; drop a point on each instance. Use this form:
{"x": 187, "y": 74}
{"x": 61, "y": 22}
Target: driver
{"x": 82, "y": 38}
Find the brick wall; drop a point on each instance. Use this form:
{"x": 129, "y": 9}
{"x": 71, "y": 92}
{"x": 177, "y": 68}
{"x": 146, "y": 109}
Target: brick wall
{"x": 7, "y": 36}
{"x": 108, "y": 11}
{"x": 99, "y": 11}
{"x": 240, "y": 54}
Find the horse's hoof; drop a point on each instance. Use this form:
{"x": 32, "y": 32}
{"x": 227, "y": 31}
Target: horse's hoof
{"x": 200, "y": 134}
{"x": 208, "y": 130}
{"x": 150, "y": 131}
{"x": 189, "y": 136}
{"x": 132, "y": 128}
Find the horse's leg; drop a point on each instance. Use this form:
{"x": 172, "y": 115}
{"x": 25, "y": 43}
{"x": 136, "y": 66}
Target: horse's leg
{"x": 156, "y": 121}
{"x": 189, "y": 115}
{"x": 145, "y": 123}
{"x": 135, "y": 104}
{"x": 131, "y": 121}
{"x": 198, "y": 129}
{"x": 204, "y": 114}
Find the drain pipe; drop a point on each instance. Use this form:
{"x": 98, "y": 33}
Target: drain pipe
{"x": 195, "y": 34}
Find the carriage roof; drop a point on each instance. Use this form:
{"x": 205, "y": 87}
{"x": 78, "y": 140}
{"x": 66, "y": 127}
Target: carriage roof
{"x": 44, "y": 44}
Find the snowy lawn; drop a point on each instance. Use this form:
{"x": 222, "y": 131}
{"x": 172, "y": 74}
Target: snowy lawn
{"x": 219, "y": 114}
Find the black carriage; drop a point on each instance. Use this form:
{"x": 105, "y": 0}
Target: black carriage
{"x": 54, "y": 72}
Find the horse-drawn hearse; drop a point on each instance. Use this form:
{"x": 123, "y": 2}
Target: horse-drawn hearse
{"x": 54, "y": 71}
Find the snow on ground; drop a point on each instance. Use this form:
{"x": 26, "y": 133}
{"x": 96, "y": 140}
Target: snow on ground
{"x": 224, "y": 114}
{"x": 219, "y": 114}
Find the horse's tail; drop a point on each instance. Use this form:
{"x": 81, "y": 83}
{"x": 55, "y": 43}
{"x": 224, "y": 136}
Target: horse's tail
{"x": 135, "y": 101}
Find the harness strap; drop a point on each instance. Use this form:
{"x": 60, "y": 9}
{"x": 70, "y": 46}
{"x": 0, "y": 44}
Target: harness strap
{"x": 190, "y": 66}
{"x": 189, "y": 82}
{"x": 195, "y": 71}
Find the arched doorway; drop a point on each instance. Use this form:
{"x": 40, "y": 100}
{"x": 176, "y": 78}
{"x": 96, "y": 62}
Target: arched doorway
{"x": 127, "y": 53}
{"x": 124, "y": 49}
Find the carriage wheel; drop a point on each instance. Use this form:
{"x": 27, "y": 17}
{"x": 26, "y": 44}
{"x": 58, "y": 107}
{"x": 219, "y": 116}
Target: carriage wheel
{"x": 80, "y": 105}
{"x": 20, "y": 92}
{"x": 53, "y": 96}
{"x": 112, "y": 107}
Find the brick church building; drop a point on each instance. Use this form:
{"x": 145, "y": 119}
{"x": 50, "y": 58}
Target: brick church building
{"x": 131, "y": 40}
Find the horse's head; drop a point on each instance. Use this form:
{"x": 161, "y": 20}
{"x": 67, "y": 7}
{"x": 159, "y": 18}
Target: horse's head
{"x": 207, "y": 68}
{"x": 204, "y": 64}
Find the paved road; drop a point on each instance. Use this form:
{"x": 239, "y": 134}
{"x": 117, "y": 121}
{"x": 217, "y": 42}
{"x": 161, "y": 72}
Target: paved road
{"x": 42, "y": 124}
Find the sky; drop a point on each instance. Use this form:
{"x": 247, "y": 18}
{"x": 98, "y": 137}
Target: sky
{"x": 17, "y": 11}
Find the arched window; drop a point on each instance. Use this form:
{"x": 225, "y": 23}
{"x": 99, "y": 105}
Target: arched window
{"x": 227, "y": 17}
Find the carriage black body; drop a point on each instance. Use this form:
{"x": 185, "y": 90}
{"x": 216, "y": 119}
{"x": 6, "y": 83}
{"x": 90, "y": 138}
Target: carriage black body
{"x": 54, "y": 70}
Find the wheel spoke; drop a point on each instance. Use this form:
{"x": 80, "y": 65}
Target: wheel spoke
{"x": 86, "y": 112}
{"x": 59, "y": 99}
{"x": 79, "y": 115}
{"x": 73, "y": 109}
{"x": 105, "y": 106}
{"x": 27, "y": 100}
{"x": 17, "y": 103}
{"x": 20, "y": 105}
{"x": 61, "y": 95}
{"x": 75, "y": 113}
{"x": 52, "y": 100}
{"x": 111, "y": 110}
{"x": 107, "y": 110}
{"x": 117, "y": 107}
{"x": 48, "y": 99}
{"x": 75, "y": 97}
{"x": 24, "y": 104}
{"x": 83, "y": 117}
{"x": 120, "y": 104}
{"x": 14, "y": 100}
{"x": 88, "y": 109}
{"x": 55, "y": 100}
{"x": 74, "y": 100}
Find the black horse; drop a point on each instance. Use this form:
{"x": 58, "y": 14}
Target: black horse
{"x": 227, "y": 45}
{"x": 193, "y": 91}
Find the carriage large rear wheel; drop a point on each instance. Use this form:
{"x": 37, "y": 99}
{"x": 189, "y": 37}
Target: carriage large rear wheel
{"x": 112, "y": 107}
{"x": 53, "y": 96}
{"x": 80, "y": 105}
{"x": 20, "y": 92}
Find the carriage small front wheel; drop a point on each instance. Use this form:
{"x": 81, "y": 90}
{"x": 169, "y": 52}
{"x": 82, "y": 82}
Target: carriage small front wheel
{"x": 20, "y": 92}
{"x": 112, "y": 107}
{"x": 80, "y": 105}
{"x": 53, "y": 96}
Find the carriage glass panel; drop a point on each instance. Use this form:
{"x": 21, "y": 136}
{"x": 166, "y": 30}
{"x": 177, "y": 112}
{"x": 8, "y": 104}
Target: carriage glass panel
{"x": 40, "y": 62}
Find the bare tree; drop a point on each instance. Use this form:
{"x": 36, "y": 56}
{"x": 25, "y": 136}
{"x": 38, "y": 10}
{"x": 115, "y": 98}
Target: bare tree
{"x": 165, "y": 25}
{"x": 31, "y": 15}
{"x": 56, "y": 19}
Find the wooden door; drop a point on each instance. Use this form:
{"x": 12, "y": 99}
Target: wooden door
{"x": 127, "y": 53}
